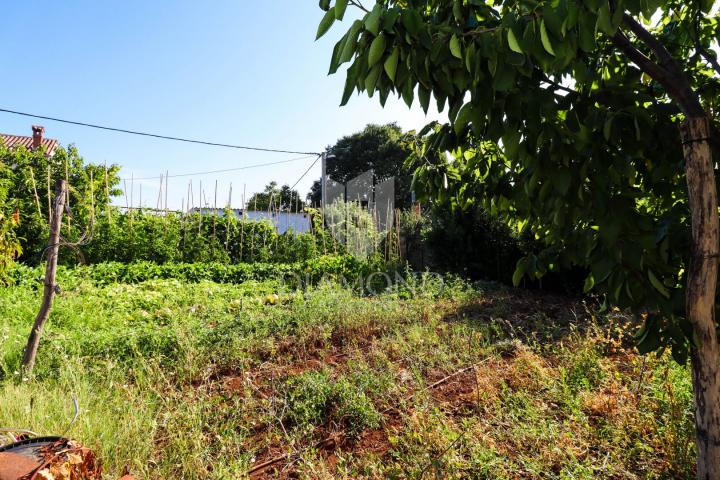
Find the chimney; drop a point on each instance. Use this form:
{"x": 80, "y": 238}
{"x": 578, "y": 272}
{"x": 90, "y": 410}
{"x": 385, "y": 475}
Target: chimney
{"x": 37, "y": 136}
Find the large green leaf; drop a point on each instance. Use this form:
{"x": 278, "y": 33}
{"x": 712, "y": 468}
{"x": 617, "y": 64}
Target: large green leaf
{"x": 350, "y": 84}
{"x": 351, "y": 43}
{"x": 424, "y": 97}
{"x": 391, "y": 63}
{"x": 372, "y": 20}
{"x": 455, "y": 47}
{"x": 377, "y": 49}
{"x": 325, "y": 24}
{"x": 335, "y": 60}
{"x": 545, "y": 39}
{"x": 340, "y": 7}
{"x": 658, "y": 284}
{"x": 604, "y": 21}
{"x": 372, "y": 78}
{"x": 463, "y": 117}
{"x": 512, "y": 41}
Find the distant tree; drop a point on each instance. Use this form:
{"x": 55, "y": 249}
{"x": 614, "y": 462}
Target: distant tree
{"x": 279, "y": 198}
{"x": 381, "y": 148}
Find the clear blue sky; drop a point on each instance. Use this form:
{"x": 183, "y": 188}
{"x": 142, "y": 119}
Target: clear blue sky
{"x": 230, "y": 71}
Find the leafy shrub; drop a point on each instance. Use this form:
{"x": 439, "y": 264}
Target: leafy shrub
{"x": 354, "y": 227}
{"x": 310, "y": 271}
{"x": 195, "y": 238}
{"x": 314, "y": 398}
{"x": 91, "y": 187}
{"x": 583, "y": 371}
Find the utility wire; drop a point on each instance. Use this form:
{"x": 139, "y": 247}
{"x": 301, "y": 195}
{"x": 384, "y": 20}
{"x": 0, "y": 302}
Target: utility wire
{"x": 153, "y": 135}
{"x": 257, "y": 165}
{"x": 306, "y": 171}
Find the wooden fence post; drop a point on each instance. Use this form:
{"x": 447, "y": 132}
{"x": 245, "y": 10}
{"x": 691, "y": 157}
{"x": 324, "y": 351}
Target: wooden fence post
{"x": 28, "y": 361}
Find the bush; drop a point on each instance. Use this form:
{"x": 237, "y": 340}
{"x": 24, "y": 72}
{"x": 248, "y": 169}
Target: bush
{"x": 310, "y": 271}
{"x": 194, "y": 238}
{"x": 470, "y": 243}
{"x": 314, "y": 398}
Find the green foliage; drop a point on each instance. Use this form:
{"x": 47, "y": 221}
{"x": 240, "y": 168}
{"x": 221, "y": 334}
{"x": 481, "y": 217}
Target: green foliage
{"x": 191, "y": 380}
{"x": 308, "y": 272}
{"x": 141, "y": 236}
{"x": 314, "y": 398}
{"x": 380, "y": 148}
{"x": 10, "y": 247}
{"x": 353, "y": 227}
{"x": 553, "y": 129}
{"x": 9, "y": 244}
{"x": 26, "y": 177}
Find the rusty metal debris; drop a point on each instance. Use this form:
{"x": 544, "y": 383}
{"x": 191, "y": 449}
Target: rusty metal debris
{"x": 48, "y": 458}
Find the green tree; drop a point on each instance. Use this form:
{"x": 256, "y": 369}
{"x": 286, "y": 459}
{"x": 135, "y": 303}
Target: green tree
{"x": 276, "y": 198}
{"x": 27, "y": 176}
{"x": 381, "y": 148}
{"x": 9, "y": 244}
{"x": 592, "y": 122}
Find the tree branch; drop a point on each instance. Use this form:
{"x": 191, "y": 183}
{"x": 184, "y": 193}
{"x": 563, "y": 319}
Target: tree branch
{"x": 359, "y": 5}
{"x": 668, "y": 73}
{"x": 699, "y": 47}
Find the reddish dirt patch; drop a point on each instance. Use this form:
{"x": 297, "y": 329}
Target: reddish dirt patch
{"x": 458, "y": 394}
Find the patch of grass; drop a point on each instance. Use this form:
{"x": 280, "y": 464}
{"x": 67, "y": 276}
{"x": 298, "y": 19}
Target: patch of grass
{"x": 313, "y": 398}
{"x": 207, "y": 380}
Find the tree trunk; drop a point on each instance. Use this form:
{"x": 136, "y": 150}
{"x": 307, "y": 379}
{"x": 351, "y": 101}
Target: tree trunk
{"x": 28, "y": 361}
{"x": 701, "y": 284}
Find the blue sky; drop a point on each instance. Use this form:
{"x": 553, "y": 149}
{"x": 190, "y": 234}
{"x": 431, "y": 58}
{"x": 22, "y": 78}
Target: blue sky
{"x": 230, "y": 71}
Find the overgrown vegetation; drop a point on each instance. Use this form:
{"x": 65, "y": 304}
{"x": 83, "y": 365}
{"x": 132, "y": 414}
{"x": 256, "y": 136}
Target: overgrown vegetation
{"x": 209, "y": 380}
{"x": 298, "y": 274}
{"x": 594, "y": 123}
{"x": 28, "y": 178}
{"x": 191, "y": 238}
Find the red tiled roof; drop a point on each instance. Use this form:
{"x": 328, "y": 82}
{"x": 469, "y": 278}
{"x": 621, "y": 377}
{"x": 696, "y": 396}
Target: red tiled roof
{"x": 13, "y": 141}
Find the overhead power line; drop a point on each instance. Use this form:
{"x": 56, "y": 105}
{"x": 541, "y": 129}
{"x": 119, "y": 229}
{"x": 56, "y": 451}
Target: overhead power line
{"x": 306, "y": 172}
{"x": 246, "y": 167}
{"x": 154, "y": 135}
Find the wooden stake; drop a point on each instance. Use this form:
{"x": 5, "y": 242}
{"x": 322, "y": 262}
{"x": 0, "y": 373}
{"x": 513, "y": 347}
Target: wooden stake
{"x": 49, "y": 287}
{"x": 242, "y": 222}
{"x": 37, "y": 197}
{"x": 252, "y": 239}
{"x": 160, "y": 191}
{"x": 67, "y": 193}
{"x": 49, "y": 196}
{"x": 107, "y": 194}
{"x": 215, "y": 216}
{"x": 92, "y": 198}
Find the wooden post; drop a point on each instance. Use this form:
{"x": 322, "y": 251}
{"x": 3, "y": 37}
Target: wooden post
{"x": 49, "y": 289}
